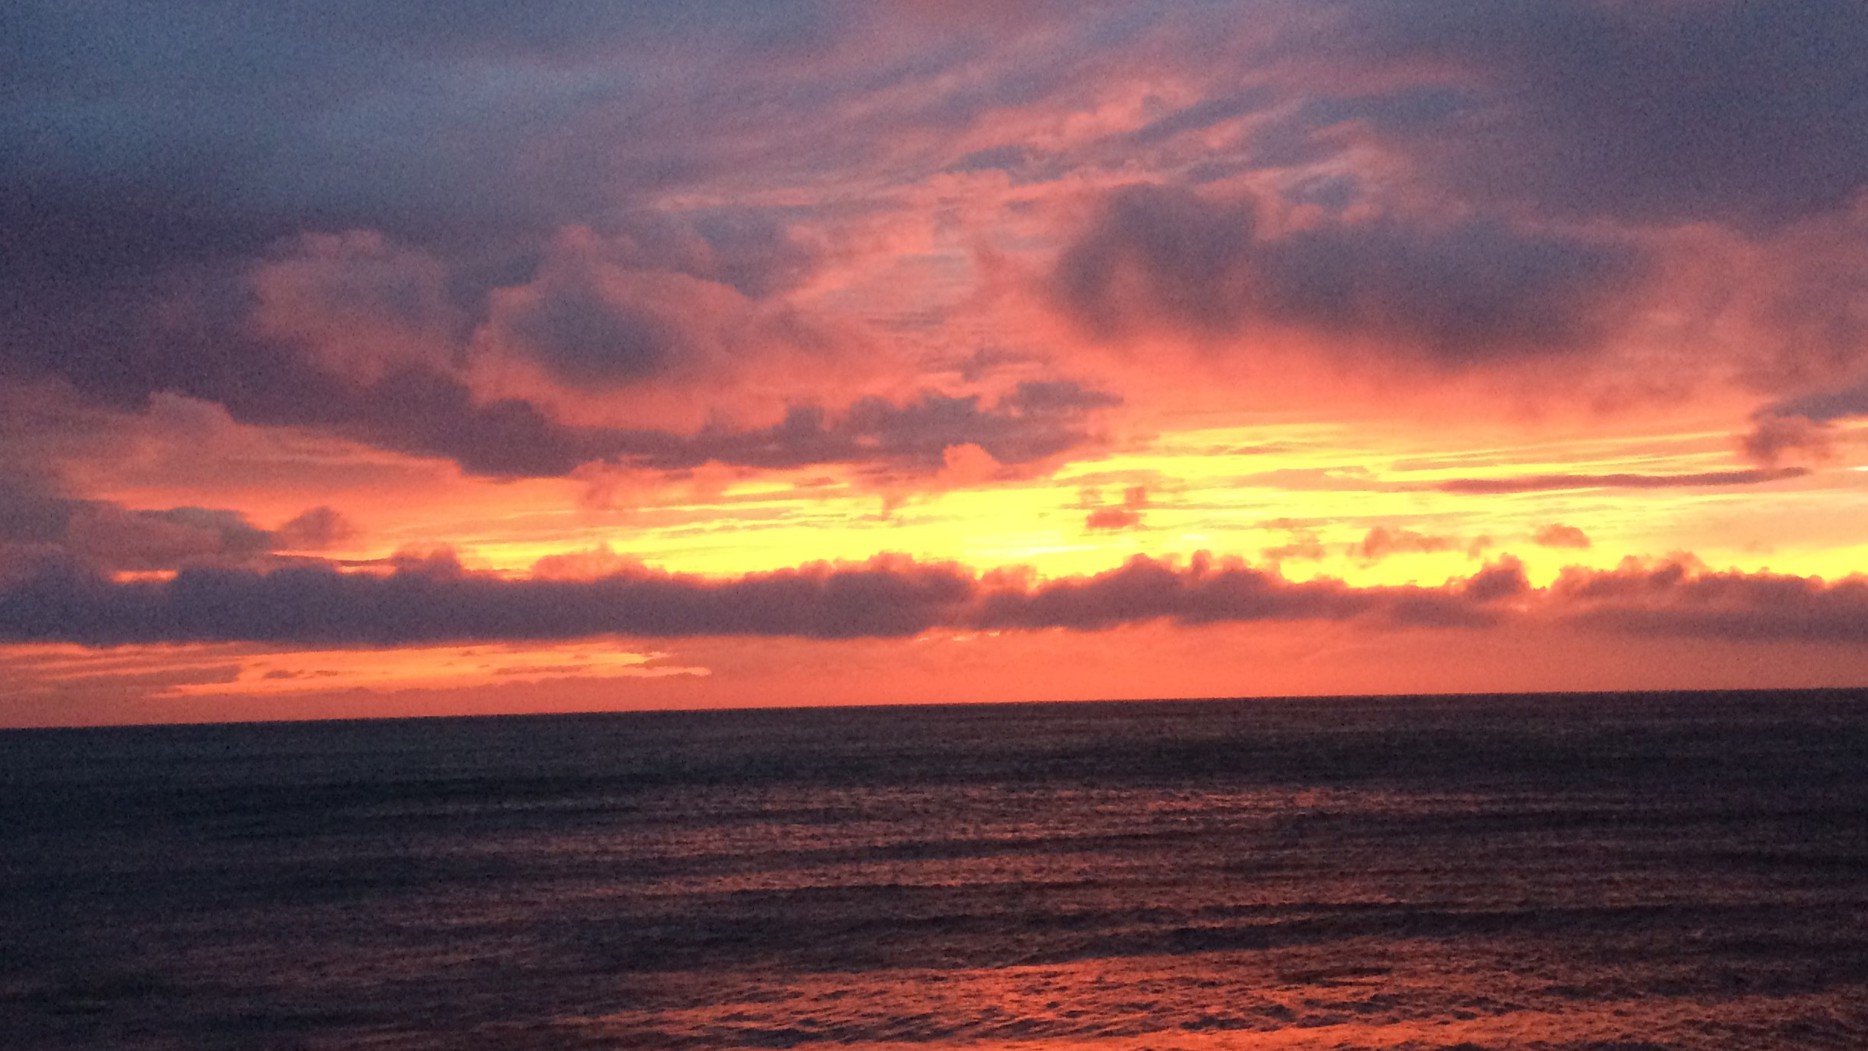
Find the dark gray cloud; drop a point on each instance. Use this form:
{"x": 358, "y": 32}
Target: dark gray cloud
{"x": 1719, "y": 110}
{"x": 122, "y": 351}
{"x": 40, "y": 527}
{"x": 432, "y": 599}
{"x": 427, "y": 413}
{"x": 1826, "y": 407}
{"x": 1159, "y": 258}
{"x": 420, "y": 411}
{"x": 133, "y": 139}
{"x": 758, "y": 252}
{"x": 1683, "y": 600}
{"x": 604, "y": 312}
{"x": 1034, "y": 421}
{"x": 135, "y": 136}
{"x": 585, "y": 336}
{"x": 204, "y": 334}
{"x": 1144, "y": 590}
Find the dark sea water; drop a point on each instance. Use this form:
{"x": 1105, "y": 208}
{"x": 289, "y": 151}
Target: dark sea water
{"x": 1615, "y": 873}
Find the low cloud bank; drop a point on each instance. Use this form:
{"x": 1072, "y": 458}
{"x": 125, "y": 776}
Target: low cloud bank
{"x": 435, "y": 600}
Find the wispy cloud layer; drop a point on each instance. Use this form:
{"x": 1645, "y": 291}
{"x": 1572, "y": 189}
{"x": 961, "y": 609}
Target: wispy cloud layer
{"x": 1541, "y": 482}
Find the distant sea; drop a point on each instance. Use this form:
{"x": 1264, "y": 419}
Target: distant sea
{"x": 1605, "y": 872}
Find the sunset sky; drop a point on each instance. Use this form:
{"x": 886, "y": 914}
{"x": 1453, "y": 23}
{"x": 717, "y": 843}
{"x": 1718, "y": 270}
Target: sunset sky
{"x": 388, "y": 359}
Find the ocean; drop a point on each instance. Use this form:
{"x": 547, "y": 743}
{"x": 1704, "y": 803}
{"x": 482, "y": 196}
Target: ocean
{"x": 1603, "y": 872}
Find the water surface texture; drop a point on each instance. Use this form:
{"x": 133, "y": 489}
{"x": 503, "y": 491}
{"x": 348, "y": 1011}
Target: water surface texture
{"x": 1614, "y": 873}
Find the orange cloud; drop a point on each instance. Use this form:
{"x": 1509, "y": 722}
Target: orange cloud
{"x": 1559, "y": 535}
{"x": 1127, "y": 516}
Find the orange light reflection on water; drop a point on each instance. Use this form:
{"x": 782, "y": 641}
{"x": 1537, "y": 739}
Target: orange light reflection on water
{"x": 1353, "y": 996}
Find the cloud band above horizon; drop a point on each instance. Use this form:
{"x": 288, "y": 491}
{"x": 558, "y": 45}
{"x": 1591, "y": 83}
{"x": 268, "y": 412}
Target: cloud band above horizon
{"x": 436, "y": 601}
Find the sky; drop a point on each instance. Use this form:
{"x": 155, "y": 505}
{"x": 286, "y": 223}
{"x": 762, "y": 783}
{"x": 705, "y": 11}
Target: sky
{"x": 365, "y": 359}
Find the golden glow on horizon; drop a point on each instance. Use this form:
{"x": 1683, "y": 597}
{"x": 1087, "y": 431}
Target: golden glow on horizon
{"x": 434, "y": 667}
{"x": 1303, "y": 496}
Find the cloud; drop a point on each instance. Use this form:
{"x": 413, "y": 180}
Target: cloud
{"x": 1683, "y": 599}
{"x": 1500, "y": 580}
{"x": 1827, "y": 406}
{"x": 760, "y": 253}
{"x": 1112, "y": 518}
{"x": 1157, "y": 259}
{"x": 418, "y": 403}
{"x": 1558, "y": 535}
{"x": 315, "y": 530}
{"x": 126, "y": 539}
{"x": 432, "y": 599}
{"x": 1126, "y": 516}
{"x": 432, "y": 413}
{"x": 38, "y": 526}
{"x": 1144, "y": 589}
{"x": 1382, "y": 542}
{"x": 366, "y": 221}
{"x": 354, "y": 304}
{"x": 136, "y": 139}
{"x": 1033, "y": 422}
{"x": 630, "y": 328}
{"x": 1303, "y": 544}
{"x": 605, "y": 314}
{"x": 196, "y": 336}
{"x": 1775, "y": 438}
{"x": 585, "y": 565}
{"x": 309, "y": 233}
{"x": 1715, "y": 110}
{"x": 967, "y": 465}
{"x": 1546, "y": 482}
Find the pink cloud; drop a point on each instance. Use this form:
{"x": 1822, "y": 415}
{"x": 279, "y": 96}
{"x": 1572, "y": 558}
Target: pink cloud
{"x": 355, "y": 304}
{"x": 1559, "y": 535}
{"x": 1126, "y": 516}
